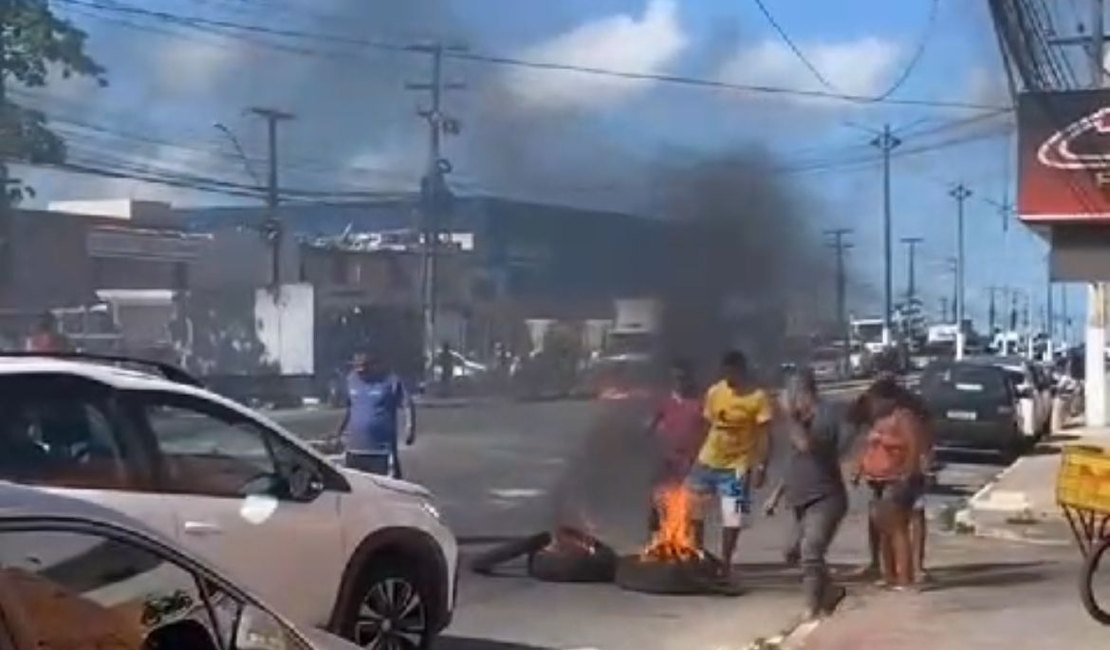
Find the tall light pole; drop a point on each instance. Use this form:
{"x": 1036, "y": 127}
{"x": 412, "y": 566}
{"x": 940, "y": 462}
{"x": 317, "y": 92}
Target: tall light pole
{"x": 961, "y": 194}
{"x": 837, "y": 242}
{"x": 274, "y": 229}
{"x": 1049, "y": 308}
{"x": 911, "y": 257}
{"x": 886, "y": 142}
{"x": 953, "y": 268}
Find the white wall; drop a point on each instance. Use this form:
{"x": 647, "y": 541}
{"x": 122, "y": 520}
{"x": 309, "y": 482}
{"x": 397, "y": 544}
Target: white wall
{"x": 286, "y": 327}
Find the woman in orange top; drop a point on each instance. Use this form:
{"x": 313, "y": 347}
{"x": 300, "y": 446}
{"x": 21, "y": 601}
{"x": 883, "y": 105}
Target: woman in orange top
{"x": 891, "y": 462}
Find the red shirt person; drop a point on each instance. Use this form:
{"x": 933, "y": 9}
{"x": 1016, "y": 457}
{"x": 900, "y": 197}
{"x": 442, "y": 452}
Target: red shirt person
{"x": 679, "y": 427}
{"x": 45, "y": 336}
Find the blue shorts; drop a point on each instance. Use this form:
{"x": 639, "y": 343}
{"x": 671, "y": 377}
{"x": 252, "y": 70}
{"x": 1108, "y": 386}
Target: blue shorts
{"x": 727, "y": 483}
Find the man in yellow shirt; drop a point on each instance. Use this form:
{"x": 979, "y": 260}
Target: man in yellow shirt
{"x": 732, "y": 460}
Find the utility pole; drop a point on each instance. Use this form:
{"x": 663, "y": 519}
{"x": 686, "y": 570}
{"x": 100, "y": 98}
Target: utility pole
{"x": 954, "y": 270}
{"x": 1065, "y": 318}
{"x": 961, "y": 194}
{"x": 991, "y": 311}
{"x": 837, "y": 242}
{"x": 911, "y": 253}
{"x": 886, "y": 142}
{"x": 273, "y": 228}
{"x": 1050, "y": 317}
{"x": 434, "y": 193}
{"x": 943, "y": 308}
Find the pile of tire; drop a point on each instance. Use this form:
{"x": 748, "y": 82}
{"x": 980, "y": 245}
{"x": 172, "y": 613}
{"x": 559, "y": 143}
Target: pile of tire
{"x": 687, "y": 577}
{"x": 573, "y": 564}
{"x": 589, "y": 561}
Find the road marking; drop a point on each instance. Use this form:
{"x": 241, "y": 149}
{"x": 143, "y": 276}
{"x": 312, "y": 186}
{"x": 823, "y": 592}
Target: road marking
{"x": 517, "y": 493}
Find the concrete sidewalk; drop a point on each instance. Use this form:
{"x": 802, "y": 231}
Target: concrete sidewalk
{"x": 989, "y": 594}
{"x": 1020, "y": 504}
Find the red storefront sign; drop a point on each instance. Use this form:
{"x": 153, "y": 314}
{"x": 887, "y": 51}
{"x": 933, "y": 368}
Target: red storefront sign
{"x": 1064, "y": 156}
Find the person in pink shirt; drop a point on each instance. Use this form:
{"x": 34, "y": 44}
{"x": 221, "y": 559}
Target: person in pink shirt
{"x": 679, "y": 430}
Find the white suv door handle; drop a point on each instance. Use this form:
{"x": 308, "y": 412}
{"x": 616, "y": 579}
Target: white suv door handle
{"x": 202, "y": 528}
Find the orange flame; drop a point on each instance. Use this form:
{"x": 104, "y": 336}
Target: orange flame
{"x": 674, "y": 541}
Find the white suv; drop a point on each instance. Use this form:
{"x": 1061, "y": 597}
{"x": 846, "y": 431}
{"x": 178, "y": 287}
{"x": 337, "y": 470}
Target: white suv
{"x": 360, "y": 555}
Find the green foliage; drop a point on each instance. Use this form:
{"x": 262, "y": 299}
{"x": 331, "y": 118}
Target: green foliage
{"x": 33, "y": 43}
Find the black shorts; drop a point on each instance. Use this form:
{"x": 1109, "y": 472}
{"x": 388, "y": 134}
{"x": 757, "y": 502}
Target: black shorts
{"x": 903, "y": 493}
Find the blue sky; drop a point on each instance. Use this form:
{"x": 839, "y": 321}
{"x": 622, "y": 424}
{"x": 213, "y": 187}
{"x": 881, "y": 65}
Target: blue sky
{"x": 522, "y": 128}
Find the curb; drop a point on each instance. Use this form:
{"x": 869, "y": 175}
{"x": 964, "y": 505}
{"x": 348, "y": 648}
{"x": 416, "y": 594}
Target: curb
{"x": 969, "y": 519}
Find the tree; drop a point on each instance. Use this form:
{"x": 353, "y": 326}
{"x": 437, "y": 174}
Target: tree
{"x": 33, "y": 43}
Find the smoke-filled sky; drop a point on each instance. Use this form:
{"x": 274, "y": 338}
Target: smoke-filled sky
{"x": 572, "y": 137}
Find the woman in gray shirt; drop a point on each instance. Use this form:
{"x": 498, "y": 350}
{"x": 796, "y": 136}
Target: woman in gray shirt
{"x": 813, "y": 486}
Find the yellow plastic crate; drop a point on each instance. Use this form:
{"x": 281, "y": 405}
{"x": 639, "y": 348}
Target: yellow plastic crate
{"x": 1084, "y": 478}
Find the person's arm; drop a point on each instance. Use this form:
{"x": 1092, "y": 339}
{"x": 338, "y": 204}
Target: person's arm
{"x": 775, "y": 497}
{"x": 345, "y": 402}
{"x": 763, "y": 448}
{"x": 410, "y": 405}
{"x": 852, "y": 463}
{"x": 913, "y": 430}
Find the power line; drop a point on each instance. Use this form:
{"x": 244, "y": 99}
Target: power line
{"x": 918, "y": 54}
{"x": 793, "y": 48}
{"x": 209, "y": 24}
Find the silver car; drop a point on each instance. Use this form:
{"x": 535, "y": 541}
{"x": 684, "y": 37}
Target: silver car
{"x": 75, "y": 575}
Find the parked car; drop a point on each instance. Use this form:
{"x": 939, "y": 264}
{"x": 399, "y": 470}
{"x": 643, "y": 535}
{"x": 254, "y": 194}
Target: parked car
{"x": 974, "y": 407}
{"x": 623, "y": 378}
{"x": 321, "y": 543}
{"x": 75, "y": 575}
{"x": 1034, "y": 390}
{"x": 828, "y": 363}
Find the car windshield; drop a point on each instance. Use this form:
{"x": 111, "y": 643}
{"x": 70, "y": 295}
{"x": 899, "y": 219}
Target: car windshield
{"x": 970, "y": 381}
{"x": 828, "y": 354}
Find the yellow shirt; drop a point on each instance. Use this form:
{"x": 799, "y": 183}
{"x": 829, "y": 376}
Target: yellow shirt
{"x": 735, "y": 440}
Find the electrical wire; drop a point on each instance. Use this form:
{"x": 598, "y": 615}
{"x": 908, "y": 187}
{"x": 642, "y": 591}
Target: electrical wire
{"x": 209, "y": 24}
{"x": 918, "y": 54}
{"x": 793, "y": 47}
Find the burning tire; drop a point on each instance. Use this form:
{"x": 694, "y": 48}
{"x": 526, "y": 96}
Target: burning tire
{"x": 672, "y": 563}
{"x": 561, "y": 563}
{"x": 486, "y": 562}
{"x": 653, "y": 576}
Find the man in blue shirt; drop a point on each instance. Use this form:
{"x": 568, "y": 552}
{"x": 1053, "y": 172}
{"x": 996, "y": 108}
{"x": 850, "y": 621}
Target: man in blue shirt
{"x": 374, "y": 396}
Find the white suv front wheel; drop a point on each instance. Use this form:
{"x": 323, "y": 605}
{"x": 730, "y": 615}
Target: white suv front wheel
{"x": 390, "y": 608}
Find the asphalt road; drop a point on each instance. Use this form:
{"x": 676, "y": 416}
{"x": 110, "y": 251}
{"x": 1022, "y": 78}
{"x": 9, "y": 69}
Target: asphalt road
{"x": 506, "y": 469}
